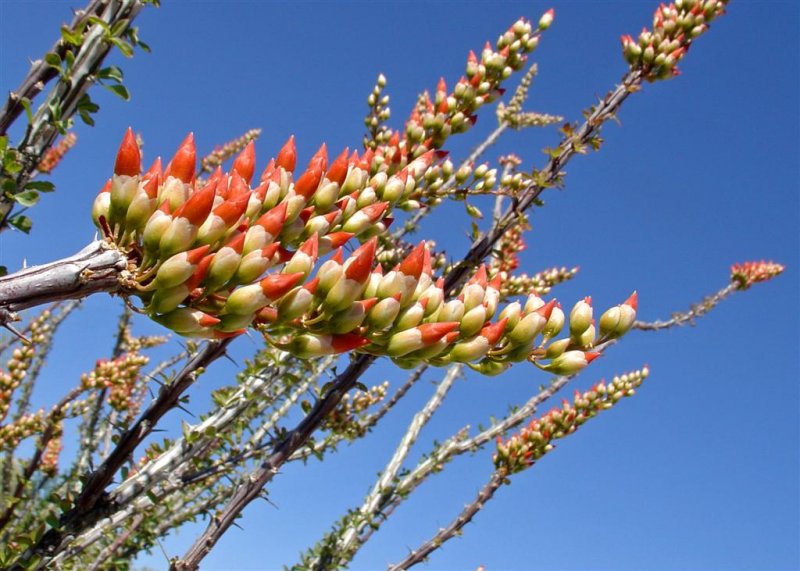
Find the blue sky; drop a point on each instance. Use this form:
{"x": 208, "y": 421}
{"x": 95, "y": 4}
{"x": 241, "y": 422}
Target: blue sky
{"x": 700, "y": 470}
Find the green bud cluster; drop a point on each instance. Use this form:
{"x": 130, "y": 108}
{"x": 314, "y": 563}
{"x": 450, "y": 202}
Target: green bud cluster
{"x": 525, "y": 448}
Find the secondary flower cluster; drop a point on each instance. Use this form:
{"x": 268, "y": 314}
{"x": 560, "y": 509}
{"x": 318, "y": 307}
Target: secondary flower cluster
{"x": 748, "y": 273}
{"x": 118, "y": 375}
{"x": 54, "y": 155}
{"x": 675, "y": 26}
{"x": 434, "y": 119}
{"x": 522, "y": 450}
{"x": 22, "y": 358}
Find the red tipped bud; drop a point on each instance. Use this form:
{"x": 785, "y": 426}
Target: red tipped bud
{"x": 338, "y": 170}
{"x": 414, "y": 263}
{"x": 275, "y": 286}
{"x": 359, "y": 264}
{"x": 199, "y": 205}
{"x": 245, "y": 163}
{"x": 182, "y": 165}
{"x": 308, "y": 182}
{"x": 287, "y": 157}
{"x": 129, "y": 158}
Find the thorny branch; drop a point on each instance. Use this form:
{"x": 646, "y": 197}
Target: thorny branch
{"x": 423, "y": 551}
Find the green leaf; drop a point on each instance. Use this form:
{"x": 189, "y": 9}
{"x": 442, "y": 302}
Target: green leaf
{"x": 123, "y": 46}
{"x": 75, "y": 38}
{"x": 10, "y": 163}
{"x": 119, "y": 26}
{"x": 21, "y": 223}
{"x": 3, "y": 271}
{"x": 119, "y": 90}
{"x": 110, "y": 72}
{"x": 41, "y": 185}
{"x": 53, "y": 60}
{"x": 86, "y": 118}
{"x": 3, "y": 143}
{"x": 87, "y": 104}
{"x": 69, "y": 57}
{"x": 52, "y": 520}
{"x": 27, "y": 197}
{"x": 99, "y": 22}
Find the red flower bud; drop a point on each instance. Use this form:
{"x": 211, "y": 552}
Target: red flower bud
{"x": 183, "y": 163}
{"x": 245, "y": 163}
{"x": 129, "y": 158}
{"x": 287, "y": 157}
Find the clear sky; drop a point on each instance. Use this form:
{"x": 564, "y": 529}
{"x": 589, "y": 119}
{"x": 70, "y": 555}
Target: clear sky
{"x": 700, "y": 469}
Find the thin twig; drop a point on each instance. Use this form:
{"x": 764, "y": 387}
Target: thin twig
{"x": 92, "y": 503}
{"x": 454, "y": 528}
{"x": 689, "y": 316}
{"x": 384, "y": 484}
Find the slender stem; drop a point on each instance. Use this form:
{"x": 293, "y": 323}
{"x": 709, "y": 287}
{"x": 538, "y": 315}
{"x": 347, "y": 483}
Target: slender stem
{"x": 67, "y": 92}
{"x": 102, "y": 559}
{"x": 41, "y": 73}
{"x": 250, "y": 487}
{"x": 92, "y": 502}
{"x": 453, "y": 528}
{"x": 385, "y": 482}
{"x": 689, "y": 316}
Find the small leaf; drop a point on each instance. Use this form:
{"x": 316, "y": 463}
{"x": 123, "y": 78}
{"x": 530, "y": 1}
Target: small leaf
{"x": 53, "y": 60}
{"x": 86, "y": 118}
{"x": 69, "y": 57}
{"x": 110, "y": 72}
{"x": 41, "y": 185}
{"x": 119, "y": 26}
{"x": 120, "y": 91}
{"x": 3, "y": 271}
{"x": 87, "y": 104}
{"x": 75, "y": 38}
{"x": 21, "y": 223}
{"x": 27, "y": 197}
{"x": 123, "y": 46}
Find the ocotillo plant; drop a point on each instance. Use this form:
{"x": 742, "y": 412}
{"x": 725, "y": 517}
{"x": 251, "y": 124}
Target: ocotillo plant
{"x": 312, "y": 257}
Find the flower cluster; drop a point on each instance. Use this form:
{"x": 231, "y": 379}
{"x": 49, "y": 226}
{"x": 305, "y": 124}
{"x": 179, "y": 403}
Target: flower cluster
{"x": 434, "y": 119}
{"x": 16, "y": 370}
{"x": 675, "y": 26}
{"x": 748, "y": 273}
{"x": 522, "y": 450}
{"x": 52, "y": 450}
{"x": 201, "y": 262}
{"x": 54, "y": 154}
{"x": 15, "y": 432}
{"x": 18, "y": 365}
{"x": 118, "y": 375}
